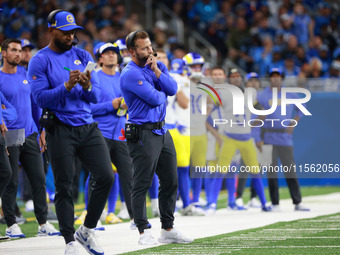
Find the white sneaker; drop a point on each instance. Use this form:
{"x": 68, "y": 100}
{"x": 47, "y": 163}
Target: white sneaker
{"x": 133, "y": 225}
{"x": 254, "y": 202}
{"x": 71, "y": 249}
{"x": 211, "y": 209}
{"x": 147, "y": 238}
{"x": 47, "y": 230}
{"x": 173, "y": 236}
{"x": 192, "y": 210}
{"x": 123, "y": 213}
{"x": 154, "y": 207}
{"x": 239, "y": 202}
{"x": 14, "y": 231}
{"x": 29, "y": 206}
{"x": 301, "y": 207}
{"x": 87, "y": 238}
{"x": 276, "y": 208}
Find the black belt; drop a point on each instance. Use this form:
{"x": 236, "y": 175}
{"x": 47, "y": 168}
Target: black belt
{"x": 274, "y": 130}
{"x": 151, "y": 126}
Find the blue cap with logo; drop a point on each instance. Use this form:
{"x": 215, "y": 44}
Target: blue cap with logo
{"x": 177, "y": 66}
{"x": 275, "y": 70}
{"x": 64, "y": 21}
{"x": 108, "y": 46}
{"x": 96, "y": 48}
{"x": 252, "y": 75}
{"x": 26, "y": 43}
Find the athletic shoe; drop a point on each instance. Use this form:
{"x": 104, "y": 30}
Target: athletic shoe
{"x": 99, "y": 226}
{"x": 29, "y": 206}
{"x": 51, "y": 216}
{"x": 71, "y": 249}
{"x": 14, "y": 231}
{"x": 266, "y": 208}
{"x": 87, "y": 238}
{"x": 154, "y": 207}
{"x": 255, "y": 203}
{"x": 47, "y": 230}
{"x": 81, "y": 218}
{"x": 192, "y": 210}
{"x": 123, "y": 213}
{"x": 147, "y": 238}
{"x": 173, "y": 236}
{"x": 234, "y": 207}
{"x": 276, "y": 208}
{"x": 133, "y": 225}
{"x": 111, "y": 218}
{"x": 211, "y": 209}
{"x": 239, "y": 202}
{"x": 300, "y": 207}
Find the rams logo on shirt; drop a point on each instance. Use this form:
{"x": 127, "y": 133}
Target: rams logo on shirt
{"x": 70, "y": 18}
{"x": 77, "y": 62}
{"x": 25, "y": 82}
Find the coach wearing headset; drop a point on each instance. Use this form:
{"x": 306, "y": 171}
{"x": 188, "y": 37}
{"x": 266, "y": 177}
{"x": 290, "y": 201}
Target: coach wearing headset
{"x": 145, "y": 85}
{"x": 59, "y": 85}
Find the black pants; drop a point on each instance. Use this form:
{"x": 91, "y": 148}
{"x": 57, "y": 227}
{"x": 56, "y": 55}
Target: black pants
{"x": 120, "y": 157}
{"x": 149, "y": 154}
{"x": 285, "y": 154}
{"x": 86, "y": 142}
{"x": 241, "y": 184}
{"x": 5, "y": 167}
{"x": 30, "y": 158}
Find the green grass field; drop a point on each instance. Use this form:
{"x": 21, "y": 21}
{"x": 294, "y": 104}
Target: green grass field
{"x": 320, "y": 235}
{"x": 30, "y": 228}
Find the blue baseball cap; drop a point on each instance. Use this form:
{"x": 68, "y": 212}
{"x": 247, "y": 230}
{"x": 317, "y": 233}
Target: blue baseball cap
{"x": 108, "y": 46}
{"x": 251, "y": 76}
{"x": 177, "y": 66}
{"x": 64, "y": 21}
{"x": 26, "y": 43}
{"x": 275, "y": 70}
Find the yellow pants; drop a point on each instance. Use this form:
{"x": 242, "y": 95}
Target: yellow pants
{"x": 182, "y": 147}
{"x": 198, "y": 150}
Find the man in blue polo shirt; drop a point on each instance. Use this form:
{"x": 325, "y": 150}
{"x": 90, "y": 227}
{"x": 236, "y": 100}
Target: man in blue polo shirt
{"x": 107, "y": 113}
{"x": 145, "y": 85}
{"x": 15, "y": 87}
{"x": 59, "y": 85}
{"x": 282, "y": 140}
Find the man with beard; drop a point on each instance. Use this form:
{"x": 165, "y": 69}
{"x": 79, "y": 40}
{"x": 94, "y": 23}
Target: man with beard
{"x": 59, "y": 86}
{"x": 14, "y": 86}
{"x": 145, "y": 85}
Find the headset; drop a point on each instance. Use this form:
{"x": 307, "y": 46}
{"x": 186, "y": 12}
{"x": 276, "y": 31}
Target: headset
{"x": 51, "y": 20}
{"x": 130, "y": 40}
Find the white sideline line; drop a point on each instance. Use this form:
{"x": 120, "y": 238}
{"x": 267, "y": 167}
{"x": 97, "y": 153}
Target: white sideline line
{"x": 119, "y": 238}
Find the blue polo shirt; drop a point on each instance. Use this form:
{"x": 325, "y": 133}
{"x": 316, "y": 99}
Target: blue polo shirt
{"x": 276, "y": 135}
{"x": 145, "y": 95}
{"x": 46, "y": 75}
{"x": 103, "y": 112}
{"x": 17, "y": 91}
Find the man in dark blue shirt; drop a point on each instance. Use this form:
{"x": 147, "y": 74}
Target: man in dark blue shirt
{"x": 59, "y": 85}
{"x": 15, "y": 87}
{"x": 145, "y": 85}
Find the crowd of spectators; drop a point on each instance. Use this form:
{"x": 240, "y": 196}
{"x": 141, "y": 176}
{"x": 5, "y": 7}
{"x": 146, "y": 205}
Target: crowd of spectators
{"x": 302, "y": 37}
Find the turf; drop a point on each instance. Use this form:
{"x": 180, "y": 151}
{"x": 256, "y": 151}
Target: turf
{"x": 320, "y": 235}
{"x": 30, "y": 228}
